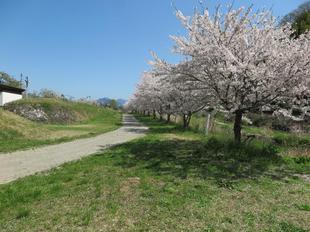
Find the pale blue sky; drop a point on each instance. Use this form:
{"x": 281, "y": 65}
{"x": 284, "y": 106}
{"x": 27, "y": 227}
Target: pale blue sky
{"x": 94, "y": 47}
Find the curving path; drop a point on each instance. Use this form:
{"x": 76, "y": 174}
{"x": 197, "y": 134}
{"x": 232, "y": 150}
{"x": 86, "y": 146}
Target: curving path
{"x": 24, "y": 163}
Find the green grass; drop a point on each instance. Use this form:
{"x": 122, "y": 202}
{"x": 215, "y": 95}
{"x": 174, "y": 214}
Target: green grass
{"x": 170, "y": 180}
{"x": 293, "y": 144}
{"x": 18, "y": 133}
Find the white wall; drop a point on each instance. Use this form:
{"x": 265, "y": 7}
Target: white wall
{"x": 9, "y": 97}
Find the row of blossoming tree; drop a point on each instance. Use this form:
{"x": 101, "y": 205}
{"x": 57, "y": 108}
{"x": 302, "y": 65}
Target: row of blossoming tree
{"x": 235, "y": 61}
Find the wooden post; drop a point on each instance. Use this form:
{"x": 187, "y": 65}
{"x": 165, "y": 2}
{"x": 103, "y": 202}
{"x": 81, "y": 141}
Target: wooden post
{"x": 208, "y": 123}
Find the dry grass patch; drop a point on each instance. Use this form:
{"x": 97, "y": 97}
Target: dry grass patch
{"x": 171, "y": 136}
{"x": 298, "y": 152}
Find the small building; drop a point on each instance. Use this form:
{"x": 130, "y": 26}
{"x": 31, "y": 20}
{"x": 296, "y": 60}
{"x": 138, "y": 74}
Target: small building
{"x": 9, "y": 94}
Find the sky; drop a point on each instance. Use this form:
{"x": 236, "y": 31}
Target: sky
{"x": 96, "y": 48}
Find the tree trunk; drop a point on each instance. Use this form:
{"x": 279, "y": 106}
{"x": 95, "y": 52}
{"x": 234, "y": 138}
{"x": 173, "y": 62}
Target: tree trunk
{"x": 168, "y": 117}
{"x": 154, "y": 114}
{"x": 189, "y": 117}
{"x": 237, "y": 126}
{"x": 186, "y": 120}
{"x": 160, "y": 114}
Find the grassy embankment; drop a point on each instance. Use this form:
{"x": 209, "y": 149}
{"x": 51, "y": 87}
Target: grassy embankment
{"x": 170, "y": 180}
{"x": 291, "y": 144}
{"x": 19, "y": 133}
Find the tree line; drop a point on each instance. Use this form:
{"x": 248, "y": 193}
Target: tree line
{"x": 234, "y": 61}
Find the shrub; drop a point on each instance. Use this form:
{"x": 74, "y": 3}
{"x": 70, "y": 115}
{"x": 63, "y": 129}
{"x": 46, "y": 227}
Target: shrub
{"x": 47, "y": 93}
{"x": 259, "y": 120}
{"x": 280, "y": 125}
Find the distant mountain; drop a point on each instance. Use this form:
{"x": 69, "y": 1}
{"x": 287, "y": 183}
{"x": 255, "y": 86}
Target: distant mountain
{"x": 106, "y": 101}
{"x": 121, "y": 102}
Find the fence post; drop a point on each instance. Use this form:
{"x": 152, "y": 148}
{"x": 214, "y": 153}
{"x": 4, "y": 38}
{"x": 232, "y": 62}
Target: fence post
{"x": 208, "y": 123}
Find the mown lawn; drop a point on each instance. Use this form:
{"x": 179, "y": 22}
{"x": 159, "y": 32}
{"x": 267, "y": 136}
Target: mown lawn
{"x": 169, "y": 180}
{"x": 17, "y": 133}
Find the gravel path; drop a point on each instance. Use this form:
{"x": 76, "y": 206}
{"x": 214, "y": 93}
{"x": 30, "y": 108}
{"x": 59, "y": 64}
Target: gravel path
{"x": 24, "y": 163}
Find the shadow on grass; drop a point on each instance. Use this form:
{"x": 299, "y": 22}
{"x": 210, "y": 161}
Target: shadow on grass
{"x": 216, "y": 158}
{"x": 225, "y": 163}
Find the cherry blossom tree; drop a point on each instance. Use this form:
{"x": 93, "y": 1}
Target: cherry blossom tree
{"x": 163, "y": 94}
{"x": 145, "y": 97}
{"x": 243, "y": 59}
{"x": 183, "y": 100}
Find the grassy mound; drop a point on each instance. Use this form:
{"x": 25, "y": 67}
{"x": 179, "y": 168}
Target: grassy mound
{"x": 52, "y": 110}
{"x": 17, "y": 132}
{"x": 13, "y": 126}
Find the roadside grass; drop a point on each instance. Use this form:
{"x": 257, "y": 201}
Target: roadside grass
{"x": 170, "y": 180}
{"x": 18, "y": 133}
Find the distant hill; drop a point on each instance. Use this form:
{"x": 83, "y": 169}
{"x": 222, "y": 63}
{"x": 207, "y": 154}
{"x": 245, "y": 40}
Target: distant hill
{"x": 106, "y": 101}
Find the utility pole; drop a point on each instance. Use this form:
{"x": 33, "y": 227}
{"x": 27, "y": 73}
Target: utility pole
{"x": 21, "y": 80}
{"x": 27, "y": 84}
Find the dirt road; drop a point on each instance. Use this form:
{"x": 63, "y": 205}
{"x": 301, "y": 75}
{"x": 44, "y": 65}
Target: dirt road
{"x": 23, "y": 163}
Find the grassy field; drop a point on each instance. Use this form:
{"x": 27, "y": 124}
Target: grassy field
{"x": 19, "y": 133}
{"x": 169, "y": 180}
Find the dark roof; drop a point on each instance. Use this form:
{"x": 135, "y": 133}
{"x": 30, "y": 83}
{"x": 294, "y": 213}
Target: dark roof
{"x": 10, "y": 89}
